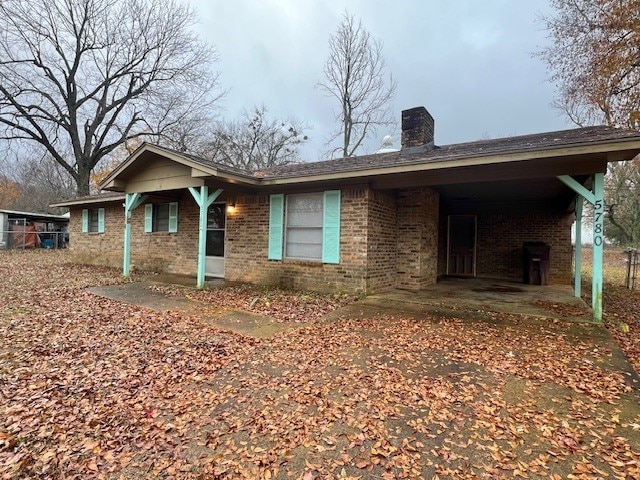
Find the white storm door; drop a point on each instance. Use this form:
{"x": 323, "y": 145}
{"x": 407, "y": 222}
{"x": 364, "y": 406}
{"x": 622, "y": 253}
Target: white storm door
{"x": 216, "y": 223}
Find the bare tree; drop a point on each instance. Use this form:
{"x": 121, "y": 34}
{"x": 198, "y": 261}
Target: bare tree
{"x": 356, "y": 76}
{"x": 85, "y": 76}
{"x": 593, "y": 60}
{"x": 622, "y": 202}
{"x": 35, "y": 182}
{"x": 254, "y": 142}
{"x": 595, "y": 63}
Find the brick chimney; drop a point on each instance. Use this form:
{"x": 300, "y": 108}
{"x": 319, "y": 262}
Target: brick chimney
{"x": 417, "y": 128}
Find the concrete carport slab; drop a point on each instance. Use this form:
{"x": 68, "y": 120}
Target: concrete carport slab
{"x": 455, "y": 294}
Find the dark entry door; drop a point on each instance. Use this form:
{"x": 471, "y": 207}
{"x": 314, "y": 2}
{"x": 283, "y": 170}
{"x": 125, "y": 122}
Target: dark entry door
{"x": 462, "y": 246}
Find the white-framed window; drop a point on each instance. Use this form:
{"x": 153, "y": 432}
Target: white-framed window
{"x": 303, "y": 226}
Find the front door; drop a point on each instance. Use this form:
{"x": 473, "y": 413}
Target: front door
{"x": 216, "y": 223}
{"x": 461, "y": 258}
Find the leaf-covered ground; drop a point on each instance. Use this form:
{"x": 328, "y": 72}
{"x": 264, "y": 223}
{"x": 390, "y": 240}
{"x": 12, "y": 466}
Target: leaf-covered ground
{"x": 91, "y": 387}
{"x": 621, "y": 306}
{"x": 282, "y": 305}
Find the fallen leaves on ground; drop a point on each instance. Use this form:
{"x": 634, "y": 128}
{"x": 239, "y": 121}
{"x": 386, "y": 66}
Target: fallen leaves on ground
{"x": 95, "y": 388}
{"x": 282, "y": 305}
{"x": 622, "y": 318}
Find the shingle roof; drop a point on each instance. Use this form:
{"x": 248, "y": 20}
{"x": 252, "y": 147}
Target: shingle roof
{"x": 420, "y": 155}
{"x": 105, "y": 197}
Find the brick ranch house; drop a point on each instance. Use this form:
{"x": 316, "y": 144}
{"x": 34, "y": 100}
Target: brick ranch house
{"x": 401, "y": 219}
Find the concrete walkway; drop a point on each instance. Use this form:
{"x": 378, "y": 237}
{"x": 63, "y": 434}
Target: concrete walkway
{"x": 238, "y": 321}
{"x": 452, "y": 297}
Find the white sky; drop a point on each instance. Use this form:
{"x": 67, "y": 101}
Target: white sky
{"x": 469, "y": 62}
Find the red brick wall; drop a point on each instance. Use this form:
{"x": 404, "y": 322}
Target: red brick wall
{"x": 98, "y": 248}
{"x": 247, "y": 243}
{"x": 387, "y": 241}
{"x": 500, "y": 239}
{"x": 382, "y": 240}
{"x": 417, "y": 249}
{"x": 159, "y": 251}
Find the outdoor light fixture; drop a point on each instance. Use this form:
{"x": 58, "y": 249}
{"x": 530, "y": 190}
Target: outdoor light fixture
{"x": 231, "y": 208}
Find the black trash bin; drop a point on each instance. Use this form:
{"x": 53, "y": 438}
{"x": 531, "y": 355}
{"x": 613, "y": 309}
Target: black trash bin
{"x": 536, "y": 263}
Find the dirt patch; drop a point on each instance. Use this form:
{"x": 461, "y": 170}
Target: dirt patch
{"x": 238, "y": 321}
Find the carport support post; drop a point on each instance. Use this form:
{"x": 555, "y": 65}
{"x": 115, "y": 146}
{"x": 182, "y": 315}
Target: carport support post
{"x": 578, "y": 263}
{"x": 595, "y": 198}
{"x": 204, "y": 201}
{"x": 598, "y": 245}
{"x": 131, "y": 202}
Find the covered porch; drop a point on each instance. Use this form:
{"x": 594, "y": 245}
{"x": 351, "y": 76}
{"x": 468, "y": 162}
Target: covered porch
{"x": 182, "y": 205}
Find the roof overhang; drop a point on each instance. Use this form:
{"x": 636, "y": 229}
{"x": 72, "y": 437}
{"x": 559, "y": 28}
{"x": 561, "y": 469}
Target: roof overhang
{"x": 427, "y": 169}
{"x": 43, "y": 217}
{"x": 117, "y": 179}
{"x": 578, "y": 159}
{"x": 94, "y": 200}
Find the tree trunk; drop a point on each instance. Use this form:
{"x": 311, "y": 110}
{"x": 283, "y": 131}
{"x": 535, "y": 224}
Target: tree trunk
{"x": 82, "y": 180}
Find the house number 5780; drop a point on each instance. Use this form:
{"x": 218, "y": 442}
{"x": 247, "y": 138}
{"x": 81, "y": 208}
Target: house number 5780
{"x": 598, "y": 223}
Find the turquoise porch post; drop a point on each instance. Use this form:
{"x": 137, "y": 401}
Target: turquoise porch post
{"x": 131, "y": 202}
{"x": 598, "y": 245}
{"x": 204, "y": 201}
{"x": 595, "y": 198}
{"x": 578, "y": 261}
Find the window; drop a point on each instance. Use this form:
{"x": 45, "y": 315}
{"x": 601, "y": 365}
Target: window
{"x": 93, "y": 220}
{"x": 303, "y": 234}
{"x": 161, "y": 217}
{"x": 305, "y": 226}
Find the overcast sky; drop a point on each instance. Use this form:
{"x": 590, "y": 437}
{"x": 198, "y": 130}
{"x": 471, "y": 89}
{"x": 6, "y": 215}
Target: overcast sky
{"x": 468, "y": 62}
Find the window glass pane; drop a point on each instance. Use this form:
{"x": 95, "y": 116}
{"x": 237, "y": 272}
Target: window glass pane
{"x": 215, "y": 243}
{"x": 215, "y": 216}
{"x": 304, "y": 243}
{"x": 304, "y": 226}
{"x": 93, "y": 220}
{"x": 304, "y": 210}
{"x": 161, "y": 217}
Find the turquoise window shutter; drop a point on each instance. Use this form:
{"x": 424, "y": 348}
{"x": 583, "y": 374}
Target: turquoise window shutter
{"x": 85, "y": 220}
{"x": 276, "y": 226}
{"x": 331, "y": 227}
{"x": 173, "y": 217}
{"x": 101, "y": 220}
{"x": 148, "y": 218}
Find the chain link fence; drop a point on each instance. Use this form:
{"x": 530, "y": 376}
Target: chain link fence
{"x": 19, "y": 234}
